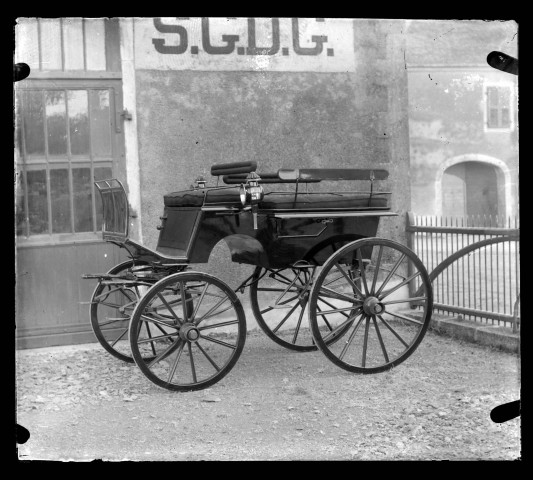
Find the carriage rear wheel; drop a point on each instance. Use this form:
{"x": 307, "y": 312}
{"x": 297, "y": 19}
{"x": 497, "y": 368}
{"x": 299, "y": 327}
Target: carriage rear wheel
{"x": 202, "y": 331}
{"x": 112, "y": 304}
{"x": 279, "y": 299}
{"x": 388, "y": 314}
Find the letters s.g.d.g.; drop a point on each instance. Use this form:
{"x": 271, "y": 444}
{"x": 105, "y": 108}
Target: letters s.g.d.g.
{"x": 181, "y": 43}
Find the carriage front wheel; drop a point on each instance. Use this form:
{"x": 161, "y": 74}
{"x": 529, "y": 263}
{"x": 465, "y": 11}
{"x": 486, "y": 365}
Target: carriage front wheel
{"x": 382, "y": 295}
{"x": 201, "y": 331}
{"x": 112, "y": 304}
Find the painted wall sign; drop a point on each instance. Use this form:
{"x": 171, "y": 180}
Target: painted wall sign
{"x": 270, "y": 44}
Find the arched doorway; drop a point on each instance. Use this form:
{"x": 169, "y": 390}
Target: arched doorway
{"x": 470, "y": 188}
{"x": 473, "y": 184}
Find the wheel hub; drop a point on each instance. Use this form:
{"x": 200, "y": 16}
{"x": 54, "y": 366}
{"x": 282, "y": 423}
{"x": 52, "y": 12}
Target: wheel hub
{"x": 189, "y": 332}
{"x": 372, "y": 306}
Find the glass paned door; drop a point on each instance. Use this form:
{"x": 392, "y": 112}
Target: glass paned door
{"x": 66, "y": 138}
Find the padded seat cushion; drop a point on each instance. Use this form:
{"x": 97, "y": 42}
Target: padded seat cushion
{"x": 276, "y": 201}
{"x": 195, "y": 198}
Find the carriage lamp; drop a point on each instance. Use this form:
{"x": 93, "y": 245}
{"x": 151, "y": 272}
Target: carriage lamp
{"x": 251, "y": 194}
{"x": 200, "y": 182}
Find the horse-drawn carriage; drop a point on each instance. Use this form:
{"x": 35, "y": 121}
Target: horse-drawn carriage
{"x": 313, "y": 252}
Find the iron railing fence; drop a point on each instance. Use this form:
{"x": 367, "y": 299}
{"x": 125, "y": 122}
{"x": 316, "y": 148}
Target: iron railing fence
{"x": 474, "y": 264}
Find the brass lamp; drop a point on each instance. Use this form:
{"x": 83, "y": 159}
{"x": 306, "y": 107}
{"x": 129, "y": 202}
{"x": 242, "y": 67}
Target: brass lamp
{"x": 251, "y": 194}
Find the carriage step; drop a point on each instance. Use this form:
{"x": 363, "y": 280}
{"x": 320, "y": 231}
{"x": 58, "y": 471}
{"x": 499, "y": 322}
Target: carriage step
{"x": 101, "y": 276}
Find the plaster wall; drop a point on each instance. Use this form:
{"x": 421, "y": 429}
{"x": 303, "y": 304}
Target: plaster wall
{"x": 189, "y": 120}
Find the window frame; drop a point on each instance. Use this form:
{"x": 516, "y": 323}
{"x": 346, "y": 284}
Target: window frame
{"x": 512, "y": 96}
{"x": 24, "y": 163}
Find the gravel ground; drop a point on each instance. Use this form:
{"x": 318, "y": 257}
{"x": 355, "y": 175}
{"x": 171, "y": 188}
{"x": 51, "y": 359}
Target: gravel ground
{"x": 79, "y": 403}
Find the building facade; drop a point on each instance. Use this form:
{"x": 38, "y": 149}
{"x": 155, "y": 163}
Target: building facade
{"x": 463, "y": 120}
{"x": 156, "y": 101}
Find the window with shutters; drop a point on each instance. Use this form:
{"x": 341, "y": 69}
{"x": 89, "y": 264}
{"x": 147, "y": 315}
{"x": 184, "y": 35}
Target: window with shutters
{"x": 499, "y": 107}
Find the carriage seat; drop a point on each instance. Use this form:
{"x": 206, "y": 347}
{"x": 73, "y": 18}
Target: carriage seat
{"x": 277, "y": 201}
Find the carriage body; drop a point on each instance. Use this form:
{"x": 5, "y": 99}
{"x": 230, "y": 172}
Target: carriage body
{"x": 290, "y": 226}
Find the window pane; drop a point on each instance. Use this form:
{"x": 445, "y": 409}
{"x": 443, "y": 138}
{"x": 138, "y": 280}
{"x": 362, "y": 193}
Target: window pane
{"x": 37, "y": 202}
{"x": 506, "y": 121}
{"x": 33, "y": 123}
{"x": 505, "y": 96}
{"x": 100, "y": 173}
{"x": 27, "y": 42}
{"x": 493, "y": 118}
{"x": 20, "y": 211}
{"x": 79, "y": 122}
{"x": 493, "y": 96}
{"x": 100, "y": 123}
{"x": 95, "y": 44}
{"x": 59, "y": 192}
{"x": 73, "y": 43}
{"x": 56, "y": 122}
{"x": 83, "y": 206}
{"x": 50, "y": 44}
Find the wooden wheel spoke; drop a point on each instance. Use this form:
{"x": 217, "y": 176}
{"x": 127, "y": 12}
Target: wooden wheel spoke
{"x": 391, "y": 273}
{"x": 152, "y": 340}
{"x": 165, "y": 353}
{"x": 333, "y": 281}
{"x": 340, "y": 327}
{"x": 150, "y": 336}
{"x": 403, "y": 317}
{"x": 219, "y": 342}
{"x": 405, "y": 300}
{"x": 351, "y": 337}
{"x": 269, "y": 289}
{"x": 213, "y": 309}
{"x": 365, "y": 342}
{"x": 291, "y": 284}
{"x": 110, "y": 305}
{"x": 362, "y": 269}
{"x": 297, "y": 330}
{"x": 325, "y": 319}
{"x": 164, "y": 332}
{"x": 327, "y": 292}
{"x": 193, "y": 369}
{"x": 286, "y": 317}
{"x": 394, "y": 332}
{"x": 319, "y": 298}
{"x": 176, "y": 361}
{"x": 170, "y": 308}
{"x": 216, "y": 325}
{"x": 184, "y": 301}
{"x": 211, "y": 361}
{"x": 268, "y": 309}
{"x": 350, "y": 281}
{"x": 283, "y": 277}
{"x": 400, "y": 285}
{"x": 121, "y": 335}
{"x": 145, "y": 318}
{"x": 336, "y": 310}
{"x": 383, "y": 349}
{"x": 376, "y": 271}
